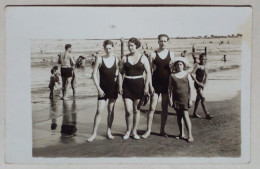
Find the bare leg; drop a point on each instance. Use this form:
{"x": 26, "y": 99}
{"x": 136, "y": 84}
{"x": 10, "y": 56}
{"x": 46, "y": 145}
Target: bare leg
{"x": 136, "y": 119}
{"x": 73, "y": 81}
{"x": 180, "y": 124}
{"x": 100, "y": 109}
{"x": 164, "y": 114}
{"x": 128, "y": 117}
{"x": 195, "y": 115}
{"x": 110, "y": 117}
{"x": 153, "y": 104}
{"x": 51, "y": 93}
{"x": 63, "y": 85}
{"x": 188, "y": 125}
{"x": 66, "y": 87}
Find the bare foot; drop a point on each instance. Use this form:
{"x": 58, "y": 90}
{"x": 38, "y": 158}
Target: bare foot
{"x": 208, "y": 116}
{"x": 163, "y": 134}
{"x": 109, "y": 135}
{"x": 196, "y": 116}
{"x": 136, "y": 136}
{"x": 190, "y": 139}
{"x": 181, "y": 137}
{"x": 92, "y": 138}
{"x": 126, "y": 136}
{"x": 146, "y": 134}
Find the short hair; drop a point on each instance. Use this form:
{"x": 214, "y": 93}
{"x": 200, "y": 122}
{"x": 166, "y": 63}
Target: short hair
{"x": 108, "y": 42}
{"x": 53, "y": 69}
{"x": 163, "y": 35}
{"x": 67, "y": 46}
{"x": 202, "y": 56}
{"x": 135, "y": 41}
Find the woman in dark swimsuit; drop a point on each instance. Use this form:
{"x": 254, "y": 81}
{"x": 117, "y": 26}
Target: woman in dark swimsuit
{"x": 107, "y": 87}
{"x": 135, "y": 86}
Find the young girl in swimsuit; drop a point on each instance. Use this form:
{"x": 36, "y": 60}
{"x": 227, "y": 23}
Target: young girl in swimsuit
{"x": 199, "y": 82}
{"x": 107, "y": 87}
{"x": 179, "y": 95}
{"x": 53, "y": 80}
{"x": 135, "y": 86}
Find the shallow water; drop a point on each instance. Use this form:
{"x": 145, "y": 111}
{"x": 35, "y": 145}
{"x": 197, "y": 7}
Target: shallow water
{"x": 85, "y": 88}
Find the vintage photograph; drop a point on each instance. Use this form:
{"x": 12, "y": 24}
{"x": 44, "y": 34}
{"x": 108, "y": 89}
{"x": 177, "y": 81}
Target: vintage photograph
{"x": 146, "y": 82}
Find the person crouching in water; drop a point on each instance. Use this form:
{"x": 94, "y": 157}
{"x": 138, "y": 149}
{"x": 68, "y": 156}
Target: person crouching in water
{"x": 201, "y": 72}
{"x": 53, "y": 80}
{"x": 107, "y": 87}
{"x": 179, "y": 92}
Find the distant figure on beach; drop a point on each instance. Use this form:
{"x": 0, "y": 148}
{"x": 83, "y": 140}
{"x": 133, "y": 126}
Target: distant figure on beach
{"x": 200, "y": 81}
{"x": 54, "y": 79}
{"x": 80, "y": 62}
{"x": 67, "y": 70}
{"x": 224, "y": 58}
{"x": 132, "y": 66}
{"x": 107, "y": 86}
{"x": 160, "y": 68}
{"x": 179, "y": 95}
{"x": 93, "y": 62}
{"x": 183, "y": 53}
{"x": 193, "y": 55}
{"x": 146, "y": 54}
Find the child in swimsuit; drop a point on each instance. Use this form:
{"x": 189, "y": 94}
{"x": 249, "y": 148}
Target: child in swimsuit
{"x": 179, "y": 95}
{"x": 200, "y": 81}
{"x": 53, "y": 80}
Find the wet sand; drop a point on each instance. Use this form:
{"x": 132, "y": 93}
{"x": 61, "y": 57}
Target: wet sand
{"x": 219, "y": 137}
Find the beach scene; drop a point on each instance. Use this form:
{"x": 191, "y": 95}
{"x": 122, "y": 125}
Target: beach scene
{"x": 218, "y": 137}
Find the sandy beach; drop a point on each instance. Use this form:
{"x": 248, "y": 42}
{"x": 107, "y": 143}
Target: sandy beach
{"x": 218, "y": 137}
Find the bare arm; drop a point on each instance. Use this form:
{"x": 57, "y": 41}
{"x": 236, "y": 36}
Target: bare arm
{"x": 193, "y": 72}
{"x": 120, "y": 79}
{"x": 72, "y": 61}
{"x": 121, "y": 65}
{"x": 190, "y": 91}
{"x": 170, "y": 90}
{"x": 152, "y": 67}
{"x": 148, "y": 74}
{"x": 95, "y": 75}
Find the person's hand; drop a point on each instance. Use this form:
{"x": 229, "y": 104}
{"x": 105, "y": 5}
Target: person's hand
{"x": 151, "y": 90}
{"x": 146, "y": 90}
{"x": 190, "y": 103}
{"x": 120, "y": 90}
{"x": 201, "y": 85}
{"x": 170, "y": 103}
{"x": 101, "y": 93}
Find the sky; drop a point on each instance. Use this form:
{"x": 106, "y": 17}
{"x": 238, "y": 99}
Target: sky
{"x": 117, "y": 22}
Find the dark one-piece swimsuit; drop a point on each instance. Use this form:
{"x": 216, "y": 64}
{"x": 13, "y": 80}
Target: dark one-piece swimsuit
{"x": 133, "y": 88}
{"x": 160, "y": 77}
{"x": 108, "y": 81}
{"x": 180, "y": 92}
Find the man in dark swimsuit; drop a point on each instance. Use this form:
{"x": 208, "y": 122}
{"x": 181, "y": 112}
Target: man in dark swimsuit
{"x": 159, "y": 61}
{"x": 67, "y": 70}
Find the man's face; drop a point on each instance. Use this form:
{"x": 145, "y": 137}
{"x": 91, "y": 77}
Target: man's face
{"x": 109, "y": 49}
{"x": 70, "y": 49}
{"x": 163, "y": 42}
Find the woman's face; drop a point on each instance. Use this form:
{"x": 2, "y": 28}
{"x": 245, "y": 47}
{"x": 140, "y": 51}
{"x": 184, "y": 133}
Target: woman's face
{"x": 179, "y": 66}
{"x": 109, "y": 49}
{"x": 131, "y": 47}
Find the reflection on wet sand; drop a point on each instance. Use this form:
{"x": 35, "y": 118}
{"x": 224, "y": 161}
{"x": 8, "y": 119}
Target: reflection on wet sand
{"x": 69, "y": 119}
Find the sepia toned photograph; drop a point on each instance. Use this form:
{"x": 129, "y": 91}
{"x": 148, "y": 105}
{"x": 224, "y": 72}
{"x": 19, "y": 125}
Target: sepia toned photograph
{"x": 172, "y": 92}
{"x": 164, "y": 84}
